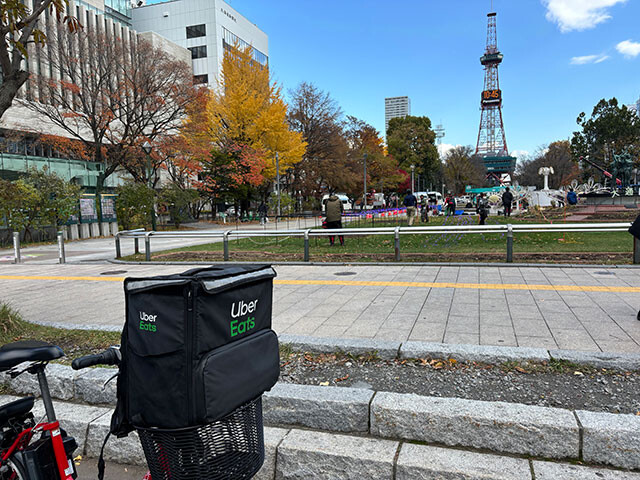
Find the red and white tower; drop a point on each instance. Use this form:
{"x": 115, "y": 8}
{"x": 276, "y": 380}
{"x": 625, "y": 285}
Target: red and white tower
{"x": 492, "y": 141}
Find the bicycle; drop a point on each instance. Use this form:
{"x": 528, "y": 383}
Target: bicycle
{"x": 31, "y": 450}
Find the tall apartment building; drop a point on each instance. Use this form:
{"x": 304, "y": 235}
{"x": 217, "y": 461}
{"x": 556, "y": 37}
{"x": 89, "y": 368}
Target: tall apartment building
{"x": 206, "y": 28}
{"x": 20, "y": 126}
{"x": 395, "y": 107}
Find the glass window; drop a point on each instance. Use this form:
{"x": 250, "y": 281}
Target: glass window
{"x": 198, "y": 52}
{"x": 195, "y": 31}
{"x": 197, "y": 79}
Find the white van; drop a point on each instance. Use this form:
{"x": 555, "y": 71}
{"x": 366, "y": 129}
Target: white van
{"x": 346, "y": 203}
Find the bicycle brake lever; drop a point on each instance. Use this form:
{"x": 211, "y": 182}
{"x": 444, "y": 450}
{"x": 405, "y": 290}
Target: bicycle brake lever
{"x": 107, "y": 382}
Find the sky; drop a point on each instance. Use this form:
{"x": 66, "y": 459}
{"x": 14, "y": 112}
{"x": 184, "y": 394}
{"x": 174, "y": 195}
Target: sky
{"x": 560, "y": 58}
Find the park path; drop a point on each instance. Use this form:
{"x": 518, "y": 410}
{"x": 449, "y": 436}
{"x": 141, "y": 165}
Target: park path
{"x": 581, "y": 308}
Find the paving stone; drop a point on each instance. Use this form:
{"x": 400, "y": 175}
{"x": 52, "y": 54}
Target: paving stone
{"x": 272, "y": 439}
{"x": 498, "y": 426}
{"x": 323, "y": 456}
{"x": 338, "y": 409}
{"x": 620, "y": 361}
{"x": 97, "y": 386}
{"x": 610, "y": 438}
{"x": 422, "y": 462}
{"x": 386, "y": 350}
{"x": 562, "y": 471}
{"x": 472, "y": 353}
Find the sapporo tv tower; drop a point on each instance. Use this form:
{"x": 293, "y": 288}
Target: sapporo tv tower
{"x": 492, "y": 141}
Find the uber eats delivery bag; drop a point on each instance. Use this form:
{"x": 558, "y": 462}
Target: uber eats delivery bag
{"x": 195, "y": 347}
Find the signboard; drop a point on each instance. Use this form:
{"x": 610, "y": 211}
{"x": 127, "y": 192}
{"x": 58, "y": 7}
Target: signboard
{"x": 108, "y": 208}
{"x": 88, "y": 212}
{"x": 490, "y": 97}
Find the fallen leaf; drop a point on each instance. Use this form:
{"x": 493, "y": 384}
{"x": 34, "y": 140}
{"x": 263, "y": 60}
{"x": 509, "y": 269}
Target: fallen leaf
{"x": 342, "y": 379}
{"x": 521, "y": 370}
{"x": 308, "y": 357}
{"x": 578, "y": 374}
{"x": 423, "y": 361}
{"x": 324, "y": 384}
{"x": 453, "y": 361}
{"x": 438, "y": 366}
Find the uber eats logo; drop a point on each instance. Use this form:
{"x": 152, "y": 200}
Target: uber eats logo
{"x": 240, "y": 309}
{"x": 148, "y": 322}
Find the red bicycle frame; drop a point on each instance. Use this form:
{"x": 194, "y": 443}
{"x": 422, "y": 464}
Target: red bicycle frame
{"x": 65, "y": 467}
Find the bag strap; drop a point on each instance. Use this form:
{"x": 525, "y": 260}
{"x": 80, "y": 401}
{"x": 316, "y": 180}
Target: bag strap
{"x": 101, "y": 464}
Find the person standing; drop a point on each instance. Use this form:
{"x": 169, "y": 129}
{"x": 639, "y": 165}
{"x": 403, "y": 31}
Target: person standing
{"x": 482, "y": 208}
{"x": 450, "y": 205}
{"x": 334, "y": 210}
{"x": 262, "y": 213}
{"x": 410, "y": 202}
{"x": 507, "y": 200}
{"x": 424, "y": 209}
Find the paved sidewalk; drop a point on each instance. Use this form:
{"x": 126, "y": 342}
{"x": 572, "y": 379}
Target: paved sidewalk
{"x": 103, "y": 249}
{"x": 591, "y": 309}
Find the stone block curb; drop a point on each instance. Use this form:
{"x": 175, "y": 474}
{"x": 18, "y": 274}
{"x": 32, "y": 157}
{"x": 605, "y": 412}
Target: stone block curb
{"x": 618, "y": 361}
{"x": 473, "y": 353}
{"x": 563, "y": 471}
{"x": 610, "y": 438}
{"x": 384, "y": 349}
{"x": 496, "y": 426}
{"x": 334, "y": 409}
{"x": 422, "y": 462}
{"x": 305, "y": 454}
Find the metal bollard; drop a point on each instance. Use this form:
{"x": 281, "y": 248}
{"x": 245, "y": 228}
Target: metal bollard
{"x": 136, "y": 246}
{"x": 17, "y": 258}
{"x": 61, "y": 256}
{"x": 636, "y": 251}
{"x": 118, "y": 250}
{"x": 306, "y": 245}
{"x": 147, "y": 247}
{"x": 397, "y": 243}
{"x": 509, "y": 243}
{"x": 225, "y": 245}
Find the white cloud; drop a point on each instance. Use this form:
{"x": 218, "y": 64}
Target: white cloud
{"x": 628, "y": 48}
{"x": 578, "y": 14}
{"x": 520, "y": 154}
{"x": 589, "y": 59}
{"x": 445, "y": 148}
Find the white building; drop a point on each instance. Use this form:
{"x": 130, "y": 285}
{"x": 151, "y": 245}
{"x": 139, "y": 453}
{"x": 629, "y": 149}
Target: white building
{"x": 395, "y": 107}
{"x": 206, "y": 28}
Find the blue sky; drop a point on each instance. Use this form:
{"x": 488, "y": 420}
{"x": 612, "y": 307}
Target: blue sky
{"x": 561, "y": 57}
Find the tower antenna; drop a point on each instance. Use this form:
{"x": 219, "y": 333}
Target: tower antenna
{"x": 492, "y": 140}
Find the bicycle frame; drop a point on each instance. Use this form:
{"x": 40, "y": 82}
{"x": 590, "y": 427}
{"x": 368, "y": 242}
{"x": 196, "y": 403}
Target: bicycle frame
{"x": 65, "y": 467}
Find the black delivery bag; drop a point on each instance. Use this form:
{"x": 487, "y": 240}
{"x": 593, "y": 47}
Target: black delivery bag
{"x": 196, "y": 346}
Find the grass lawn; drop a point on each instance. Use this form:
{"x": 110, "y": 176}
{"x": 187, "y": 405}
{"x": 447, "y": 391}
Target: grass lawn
{"x": 605, "y": 247}
{"x": 75, "y": 343}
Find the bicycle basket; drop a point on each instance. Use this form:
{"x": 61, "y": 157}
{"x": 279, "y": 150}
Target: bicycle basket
{"x": 230, "y": 448}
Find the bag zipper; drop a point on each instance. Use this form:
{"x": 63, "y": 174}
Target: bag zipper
{"x": 189, "y": 352}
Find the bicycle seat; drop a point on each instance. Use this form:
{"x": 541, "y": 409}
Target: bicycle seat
{"x": 15, "y": 353}
{"x": 16, "y": 409}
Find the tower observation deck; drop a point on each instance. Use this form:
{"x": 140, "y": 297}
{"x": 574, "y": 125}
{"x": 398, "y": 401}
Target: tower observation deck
{"x": 492, "y": 140}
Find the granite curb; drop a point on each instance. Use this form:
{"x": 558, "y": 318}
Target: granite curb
{"x": 302, "y": 454}
{"x": 507, "y": 428}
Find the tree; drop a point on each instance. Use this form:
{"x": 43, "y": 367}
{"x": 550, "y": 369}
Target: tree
{"x": 114, "y": 99}
{"x": 412, "y": 142}
{"x": 18, "y": 29}
{"x": 557, "y": 155}
{"x": 17, "y": 199}
{"x": 318, "y": 118}
{"x": 134, "y": 205}
{"x": 611, "y": 129}
{"x": 248, "y": 110}
{"x": 460, "y": 169}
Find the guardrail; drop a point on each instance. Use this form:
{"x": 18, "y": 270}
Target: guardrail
{"x": 397, "y": 232}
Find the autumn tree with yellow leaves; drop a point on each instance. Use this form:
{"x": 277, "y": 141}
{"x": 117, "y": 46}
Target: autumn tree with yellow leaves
{"x": 248, "y": 110}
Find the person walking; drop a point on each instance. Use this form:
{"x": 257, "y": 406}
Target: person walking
{"x": 262, "y": 213}
{"x": 410, "y": 202}
{"x": 424, "y": 209}
{"x": 482, "y": 208}
{"x": 334, "y": 210}
{"x": 507, "y": 200}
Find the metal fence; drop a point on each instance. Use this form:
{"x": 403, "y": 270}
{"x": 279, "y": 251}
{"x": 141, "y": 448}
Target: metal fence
{"x": 395, "y": 232}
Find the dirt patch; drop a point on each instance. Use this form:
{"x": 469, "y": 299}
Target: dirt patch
{"x": 612, "y": 258}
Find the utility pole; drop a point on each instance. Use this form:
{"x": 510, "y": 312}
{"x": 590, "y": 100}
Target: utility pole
{"x": 413, "y": 170}
{"x": 364, "y": 198}
{"x": 278, "y": 182}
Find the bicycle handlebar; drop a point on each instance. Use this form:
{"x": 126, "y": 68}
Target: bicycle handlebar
{"x": 111, "y": 356}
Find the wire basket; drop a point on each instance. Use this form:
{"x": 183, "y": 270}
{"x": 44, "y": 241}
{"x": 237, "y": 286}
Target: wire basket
{"x": 230, "y": 448}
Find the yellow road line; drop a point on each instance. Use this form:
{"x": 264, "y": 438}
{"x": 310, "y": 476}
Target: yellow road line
{"x": 359, "y": 283}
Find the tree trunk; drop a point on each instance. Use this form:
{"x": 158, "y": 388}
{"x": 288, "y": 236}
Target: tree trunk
{"x": 9, "y": 88}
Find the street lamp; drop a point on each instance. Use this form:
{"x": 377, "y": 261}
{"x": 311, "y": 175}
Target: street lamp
{"x": 364, "y": 197}
{"x": 146, "y": 147}
{"x": 278, "y": 182}
{"x": 413, "y": 170}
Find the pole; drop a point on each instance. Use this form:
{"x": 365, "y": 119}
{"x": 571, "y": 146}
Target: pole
{"x": 147, "y": 247}
{"x": 225, "y": 244}
{"x": 153, "y": 204}
{"x": 509, "y": 243}
{"x": 61, "y": 256}
{"x": 118, "y": 251}
{"x": 278, "y": 182}
{"x": 364, "y": 197}
{"x": 413, "y": 170}
{"x": 636, "y": 251}
{"x": 306, "y": 245}
{"x": 397, "y": 243}
{"x": 17, "y": 258}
